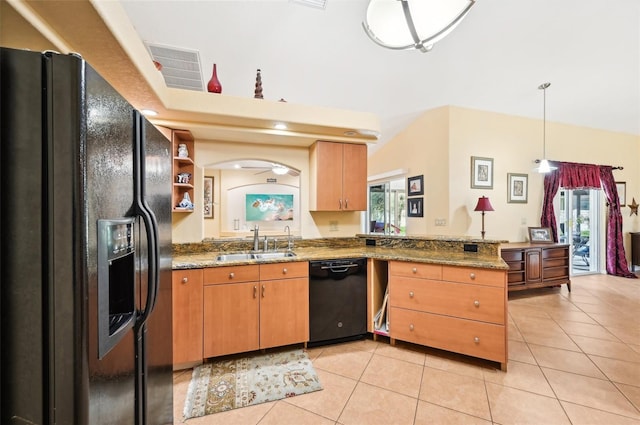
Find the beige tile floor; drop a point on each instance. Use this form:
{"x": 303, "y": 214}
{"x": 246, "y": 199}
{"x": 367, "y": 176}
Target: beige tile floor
{"x": 574, "y": 358}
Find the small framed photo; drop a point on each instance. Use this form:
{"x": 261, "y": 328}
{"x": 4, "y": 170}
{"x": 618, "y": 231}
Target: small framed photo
{"x": 540, "y": 235}
{"x": 415, "y": 208}
{"x": 415, "y": 186}
{"x": 518, "y": 187}
{"x": 622, "y": 192}
{"x": 481, "y": 173}
{"x": 207, "y": 200}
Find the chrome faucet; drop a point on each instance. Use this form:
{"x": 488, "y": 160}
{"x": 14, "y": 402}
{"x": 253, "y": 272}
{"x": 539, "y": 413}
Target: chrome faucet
{"x": 256, "y": 240}
{"x": 289, "y": 240}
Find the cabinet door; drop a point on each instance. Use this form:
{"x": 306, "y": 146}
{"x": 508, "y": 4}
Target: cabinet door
{"x": 533, "y": 259}
{"x": 284, "y": 312}
{"x": 230, "y": 318}
{"x": 328, "y": 184}
{"x": 187, "y": 316}
{"x": 354, "y": 177}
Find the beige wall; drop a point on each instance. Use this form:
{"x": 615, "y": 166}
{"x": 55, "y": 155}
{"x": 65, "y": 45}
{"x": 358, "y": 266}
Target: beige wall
{"x": 513, "y": 143}
{"x": 439, "y": 145}
{"x": 192, "y": 227}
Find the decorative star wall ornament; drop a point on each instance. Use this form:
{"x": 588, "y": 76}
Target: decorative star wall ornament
{"x": 634, "y": 207}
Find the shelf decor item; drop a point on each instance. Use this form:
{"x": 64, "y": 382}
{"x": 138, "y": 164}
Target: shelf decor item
{"x": 214, "y": 85}
{"x": 540, "y": 235}
{"x": 258, "y": 91}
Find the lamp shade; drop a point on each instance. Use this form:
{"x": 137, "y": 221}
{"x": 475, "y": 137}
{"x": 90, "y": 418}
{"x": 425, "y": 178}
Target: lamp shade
{"x": 483, "y": 204}
{"x": 413, "y": 24}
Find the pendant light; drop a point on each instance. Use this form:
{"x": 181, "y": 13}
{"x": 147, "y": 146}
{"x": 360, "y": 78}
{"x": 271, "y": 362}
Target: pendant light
{"x": 413, "y": 24}
{"x": 545, "y": 166}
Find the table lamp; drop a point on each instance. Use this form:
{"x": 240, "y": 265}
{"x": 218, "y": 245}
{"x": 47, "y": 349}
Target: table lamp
{"x": 483, "y": 205}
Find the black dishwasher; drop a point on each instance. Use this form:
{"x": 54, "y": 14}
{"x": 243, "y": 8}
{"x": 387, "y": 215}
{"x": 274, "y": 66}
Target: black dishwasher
{"x": 337, "y": 300}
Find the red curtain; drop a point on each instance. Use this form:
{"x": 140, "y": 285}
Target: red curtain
{"x": 571, "y": 175}
{"x": 616, "y": 260}
{"x": 548, "y": 219}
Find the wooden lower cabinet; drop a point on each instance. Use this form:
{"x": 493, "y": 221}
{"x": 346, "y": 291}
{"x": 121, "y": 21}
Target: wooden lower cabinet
{"x": 284, "y": 312}
{"x": 187, "y": 316}
{"x": 231, "y": 318}
{"x": 254, "y": 307}
{"x": 536, "y": 265}
{"x": 458, "y": 309}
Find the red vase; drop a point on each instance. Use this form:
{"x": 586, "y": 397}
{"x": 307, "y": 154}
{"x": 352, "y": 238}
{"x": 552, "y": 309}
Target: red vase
{"x": 214, "y": 85}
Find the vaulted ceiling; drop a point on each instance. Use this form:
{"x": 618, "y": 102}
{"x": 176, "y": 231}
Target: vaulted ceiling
{"x": 494, "y": 60}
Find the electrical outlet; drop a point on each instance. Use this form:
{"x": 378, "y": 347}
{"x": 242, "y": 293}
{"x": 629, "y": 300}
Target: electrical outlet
{"x": 333, "y": 226}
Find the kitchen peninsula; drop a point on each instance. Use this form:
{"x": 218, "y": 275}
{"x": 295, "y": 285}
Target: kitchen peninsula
{"x": 444, "y": 292}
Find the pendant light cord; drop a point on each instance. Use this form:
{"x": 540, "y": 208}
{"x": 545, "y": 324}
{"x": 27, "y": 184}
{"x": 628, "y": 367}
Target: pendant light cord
{"x": 544, "y": 87}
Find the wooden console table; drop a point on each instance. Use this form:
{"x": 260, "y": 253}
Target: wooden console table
{"x": 635, "y": 250}
{"x": 536, "y": 265}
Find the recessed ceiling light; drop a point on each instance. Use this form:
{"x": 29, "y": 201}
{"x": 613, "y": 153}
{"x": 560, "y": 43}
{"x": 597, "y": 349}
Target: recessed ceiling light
{"x": 280, "y": 126}
{"x": 149, "y": 112}
{"x": 350, "y": 133}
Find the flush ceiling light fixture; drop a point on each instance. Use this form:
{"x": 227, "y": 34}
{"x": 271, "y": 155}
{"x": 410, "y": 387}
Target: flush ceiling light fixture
{"x": 544, "y": 166}
{"x": 415, "y": 24}
{"x": 279, "y": 169}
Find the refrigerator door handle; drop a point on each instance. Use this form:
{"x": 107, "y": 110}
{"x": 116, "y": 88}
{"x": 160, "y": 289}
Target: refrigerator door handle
{"x": 150, "y": 222}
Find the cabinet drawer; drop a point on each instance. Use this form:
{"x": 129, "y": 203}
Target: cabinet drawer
{"x": 556, "y": 262}
{"x": 474, "y": 275}
{"x": 284, "y": 270}
{"x": 555, "y": 273}
{"x": 231, "y": 274}
{"x": 555, "y": 252}
{"x": 512, "y": 255}
{"x": 420, "y": 270}
{"x": 484, "y": 340}
{"x": 484, "y": 303}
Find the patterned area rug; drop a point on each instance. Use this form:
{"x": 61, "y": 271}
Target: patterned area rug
{"x": 230, "y": 384}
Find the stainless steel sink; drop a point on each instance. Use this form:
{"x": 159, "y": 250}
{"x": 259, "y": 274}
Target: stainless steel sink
{"x": 235, "y": 257}
{"x": 268, "y": 255}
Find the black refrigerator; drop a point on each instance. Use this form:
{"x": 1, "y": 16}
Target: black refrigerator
{"x": 85, "y": 249}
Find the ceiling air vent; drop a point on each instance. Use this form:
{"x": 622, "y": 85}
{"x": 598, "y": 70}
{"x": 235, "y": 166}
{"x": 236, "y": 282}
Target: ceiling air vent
{"x": 179, "y": 67}
{"x": 320, "y": 4}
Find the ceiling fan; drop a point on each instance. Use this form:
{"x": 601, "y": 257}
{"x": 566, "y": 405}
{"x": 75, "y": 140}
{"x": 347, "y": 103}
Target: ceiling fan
{"x": 274, "y": 167}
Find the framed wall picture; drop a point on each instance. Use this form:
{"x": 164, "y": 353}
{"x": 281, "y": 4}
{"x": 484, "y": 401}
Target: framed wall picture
{"x": 622, "y": 192}
{"x": 518, "y": 188}
{"x": 540, "y": 235}
{"x": 207, "y": 200}
{"x": 415, "y": 186}
{"x": 415, "y": 207}
{"x": 481, "y": 173}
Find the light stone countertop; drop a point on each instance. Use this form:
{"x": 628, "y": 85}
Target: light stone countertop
{"x": 445, "y": 257}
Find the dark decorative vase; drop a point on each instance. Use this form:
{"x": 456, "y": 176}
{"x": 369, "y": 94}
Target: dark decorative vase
{"x": 214, "y": 85}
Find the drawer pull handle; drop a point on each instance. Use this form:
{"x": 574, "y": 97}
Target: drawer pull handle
{"x": 284, "y": 270}
{"x": 411, "y": 327}
{"x": 414, "y": 270}
{"x": 476, "y": 303}
{"x": 472, "y": 276}
{"x": 262, "y": 291}
{"x": 185, "y": 279}
{"x": 476, "y": 340}
{"x": 411, "y": 294}
{"x": 255, "y": 291}
{"x": 232, "y": 275}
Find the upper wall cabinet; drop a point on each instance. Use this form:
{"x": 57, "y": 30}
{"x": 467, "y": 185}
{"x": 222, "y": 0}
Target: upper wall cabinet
{"x": 338, "y": 177}
{"x": 183, "y": 170}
